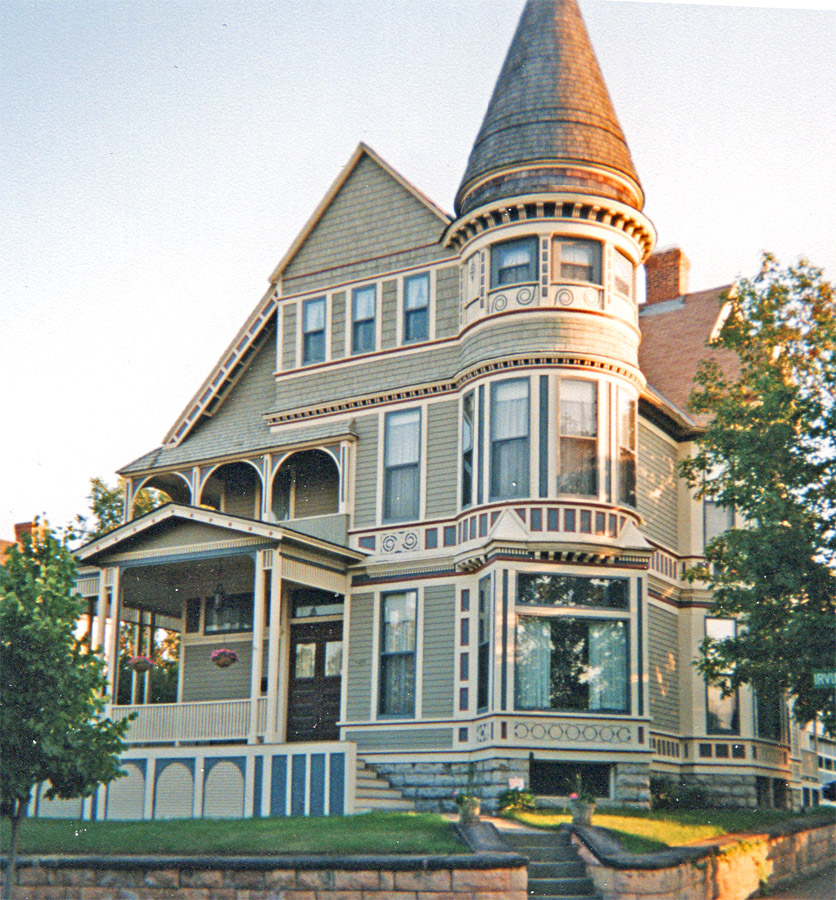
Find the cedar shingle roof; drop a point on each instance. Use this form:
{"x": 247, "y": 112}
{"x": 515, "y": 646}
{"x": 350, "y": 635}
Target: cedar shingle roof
{"x": 674, "y": 337}
{"x": 550, "y": 103}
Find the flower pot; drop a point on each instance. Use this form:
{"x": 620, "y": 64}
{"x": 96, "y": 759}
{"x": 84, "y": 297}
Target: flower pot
{"x": 141, "y": 666}
{"x": 469, "y": 811}
{"x": 582, "y": 811}
{"x": 224, "y": 662}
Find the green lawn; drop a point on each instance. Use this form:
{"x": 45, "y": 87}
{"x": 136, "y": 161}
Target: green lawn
{"x": 641, "y": 831}
{"x": 372, "y": 833}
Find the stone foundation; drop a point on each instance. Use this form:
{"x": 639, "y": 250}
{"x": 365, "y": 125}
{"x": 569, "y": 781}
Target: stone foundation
{"x": 632, "y": 784}
{"x": 734, "y": 791}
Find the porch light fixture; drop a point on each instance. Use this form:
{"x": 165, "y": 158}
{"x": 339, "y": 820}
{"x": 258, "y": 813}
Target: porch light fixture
{"x": 219, "y": 596}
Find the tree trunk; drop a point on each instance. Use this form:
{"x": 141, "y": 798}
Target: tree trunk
{"x": 18, "y": 815}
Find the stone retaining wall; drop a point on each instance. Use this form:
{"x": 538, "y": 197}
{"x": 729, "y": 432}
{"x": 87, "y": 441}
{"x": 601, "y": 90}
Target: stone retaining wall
{"x": 488, "y": 876}
{"x": 733, "y": 868}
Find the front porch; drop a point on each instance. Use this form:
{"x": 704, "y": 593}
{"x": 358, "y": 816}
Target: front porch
{"x": 209, "y": 720}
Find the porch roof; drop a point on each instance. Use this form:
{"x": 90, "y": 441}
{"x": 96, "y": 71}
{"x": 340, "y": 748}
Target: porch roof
{"x": 236, "y": 526}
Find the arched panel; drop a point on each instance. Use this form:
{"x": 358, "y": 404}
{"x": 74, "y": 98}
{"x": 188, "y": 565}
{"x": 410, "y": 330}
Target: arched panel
{"x": 223, "y": 793}
{"x": 306, "y": 484}
{"x": 233, "y": 488}
{"x": 174, "y": 485}
{"x": 174, "y": 792}
{"x": 125, "y": 796}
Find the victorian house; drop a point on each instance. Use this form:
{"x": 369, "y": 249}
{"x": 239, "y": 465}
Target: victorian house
{"x": 429, "y": 498}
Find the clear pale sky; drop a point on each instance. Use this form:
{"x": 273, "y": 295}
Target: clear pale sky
{"x": 159, "y": 157}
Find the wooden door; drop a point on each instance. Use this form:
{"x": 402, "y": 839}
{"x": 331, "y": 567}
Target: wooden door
{"x": 313, "y": 705}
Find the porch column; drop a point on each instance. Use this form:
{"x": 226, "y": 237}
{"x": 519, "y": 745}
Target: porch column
{"x": 113, "y": 638}
{"x": 258, "y": 645}
{"x": 98, "y": 635}
{"x": 271, "y": 735}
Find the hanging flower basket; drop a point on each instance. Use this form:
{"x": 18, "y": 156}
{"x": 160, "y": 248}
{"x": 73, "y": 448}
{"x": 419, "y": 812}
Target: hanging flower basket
{"x": 223, "y": 658}
{"x": 141, "y": 664}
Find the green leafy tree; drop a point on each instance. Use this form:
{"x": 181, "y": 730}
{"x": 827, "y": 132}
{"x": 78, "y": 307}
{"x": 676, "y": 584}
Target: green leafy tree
{"x": 769, "y": 454}
{"x": 52, "y": 727}
{"x": 107, "y": 509}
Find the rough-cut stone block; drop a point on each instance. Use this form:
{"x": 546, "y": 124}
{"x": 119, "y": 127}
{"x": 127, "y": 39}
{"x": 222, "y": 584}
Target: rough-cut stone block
{"x": 423, "y": 880}
{"x": 387, "y": 880}
{"x": 201, "y": 878}
{"x": 167, "y": 878}
{"x": 356, "y": 881}
{"x": 319, "y": 881}
{"x": 242, "y": 878}
{"x": 280, "y": 878}
{"x": 481, "y": 880}
{"x": 32, "y": 875}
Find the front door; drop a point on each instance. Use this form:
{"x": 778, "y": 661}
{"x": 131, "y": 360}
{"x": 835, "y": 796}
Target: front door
{"x": 313, "y": 703}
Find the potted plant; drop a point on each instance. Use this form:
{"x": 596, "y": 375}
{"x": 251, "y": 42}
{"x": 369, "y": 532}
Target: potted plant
{"x": 223, "y": 657}
{"x": 141, "y": 664}
{"x": 582, "y": 803}
{"x": 468, "y": 802}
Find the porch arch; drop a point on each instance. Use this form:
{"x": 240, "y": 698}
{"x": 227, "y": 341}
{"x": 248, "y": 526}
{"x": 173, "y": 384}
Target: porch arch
{"x": 174, "y": 485}
{"x": 306, "y": 484}
{"x": 233, "y": 488}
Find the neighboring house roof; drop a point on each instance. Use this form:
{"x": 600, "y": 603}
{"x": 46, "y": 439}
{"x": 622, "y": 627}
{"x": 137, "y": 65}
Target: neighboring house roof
{"x": 675, "y": 334}
{"x": 4, "y": 546}
{"x": 550, "y": 103}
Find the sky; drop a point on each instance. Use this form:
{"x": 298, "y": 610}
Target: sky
{"x": 158, "y": 158}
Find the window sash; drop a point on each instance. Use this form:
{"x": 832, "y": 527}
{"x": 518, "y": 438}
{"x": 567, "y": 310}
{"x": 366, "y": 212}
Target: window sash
{"x": 626, "y": 448}
{"x": 398, "y": 617}
{"x": 467, "y": 450}
{"x": 578, "y": 444}
{"x": 483, "y": 651}
{"x": 363, "y": 315}
{"x": 416, "y": 319}
{"x": 401, "y": 461}
{"x": 514, "y": 262}
{"x": 623, "y": 274}
{"x": 577, "y": 260}
{"x": 313, "y": 331}
{"x": 510, "y": 462}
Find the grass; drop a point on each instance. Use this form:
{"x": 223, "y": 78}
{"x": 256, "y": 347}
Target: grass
{"x": 374, "y": 833}
{"x": 642, "y": 831}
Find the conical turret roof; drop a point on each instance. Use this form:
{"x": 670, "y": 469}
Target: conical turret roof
{"x": 550, "y": 109}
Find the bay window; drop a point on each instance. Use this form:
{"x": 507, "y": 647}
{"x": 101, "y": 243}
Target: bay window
{"x": 722, "y": 713}
{"x": 416, "y": 308}
{"x": 467, "y": 450}
{"x": 576, "y": 260}
{"x": 509, "y": 439}
{"x": 514, "y": 262}
{"x": 313, "y": 331}
{"x": 401, "y": 465}
{"x": 578, "y": 442}
{"x": 544, "y": 589}
{"x": 398, "y": 616}
{"x": 569, "y": 663}
{"x": 483, "y": 654}
{"x": 363, "y": 316}
{"x": 626, "y": 448}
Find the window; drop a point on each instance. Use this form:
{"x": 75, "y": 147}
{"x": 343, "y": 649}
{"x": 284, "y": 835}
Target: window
{"x": 227, "y": 614}
{"x": 626, "y": 449}
{"x": 509, "y": 439}
{"x": 716, "y": 519}
{"x": 193, "y": 616}
{"x": 541, "y": 589}
{"x": 363, "y": 304}
{"x": 722, "y": 714}
{"x": 313, "y": 331}
{"x": 768, "y": 710}
{"x": 576, "y": 260}
{"x": 567, "y": 663}
{"x": 623, "y": 272}
{"x": 514, "y": 262}
{"x": 401, "y": 465}
{"x": 416, "y": 308}
{"x": 467, "y": 449}
{"x": 578, "y": 447}
{"x": 397, "y": 653}
{"x": 483, "y": 654}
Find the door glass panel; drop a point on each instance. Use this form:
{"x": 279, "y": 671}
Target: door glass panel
{"x": 333, "y": 657}
{"x": 305, "y": 660}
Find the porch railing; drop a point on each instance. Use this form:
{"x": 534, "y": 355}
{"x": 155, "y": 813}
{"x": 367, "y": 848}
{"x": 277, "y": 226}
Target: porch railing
{"x": 212, "y": 720}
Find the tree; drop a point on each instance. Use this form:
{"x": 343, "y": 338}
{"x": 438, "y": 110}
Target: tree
{"x": 107, "y": 508}
{"x": 52, "y": 727}
{"x": 769, "y": 453}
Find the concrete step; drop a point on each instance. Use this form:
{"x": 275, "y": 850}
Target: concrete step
{"x": 372, "y": 791}
{"x": 570, "y": 868}
{"x": 561, "y": 887}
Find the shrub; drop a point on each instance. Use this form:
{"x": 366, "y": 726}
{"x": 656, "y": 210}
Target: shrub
{"x": 667, "y": 793}
{"x": 514, "y": 799}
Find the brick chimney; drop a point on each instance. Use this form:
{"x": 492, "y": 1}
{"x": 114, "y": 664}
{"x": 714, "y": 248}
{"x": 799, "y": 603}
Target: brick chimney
{"x": 666, "y": 273}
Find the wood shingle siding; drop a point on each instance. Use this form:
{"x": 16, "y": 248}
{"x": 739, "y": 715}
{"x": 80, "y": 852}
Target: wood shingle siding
{"x": 664, "y": 662}
{"x": 442, "y": 471}
{"x": 338, "y": 309}
{"x": 657, "y": 486}
{"x": 203, "y": 680}
{"x": 365, "y": 483}
{"x": 439, "y": 651}
{"x": 388, "y": 314}
{"x": 289, "y": 336}
{"x": 402, "y": 738}
{"x": 358, "y": 700}
{"x": 371, "y": 211}
{"x": 447, "y": 302}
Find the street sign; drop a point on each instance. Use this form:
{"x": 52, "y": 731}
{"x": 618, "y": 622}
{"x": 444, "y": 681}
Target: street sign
{"x": 825, "y": 678}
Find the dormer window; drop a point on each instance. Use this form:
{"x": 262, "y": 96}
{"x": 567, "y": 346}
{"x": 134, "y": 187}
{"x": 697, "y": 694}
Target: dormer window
{"x": 623, "y": 272}
{"x": 313, "y": 331}
{"x": 514, "y": 262}
{"x": 416, "y": 308}
{"x": 363, "y": 329}
{"x": 576, "y": 260}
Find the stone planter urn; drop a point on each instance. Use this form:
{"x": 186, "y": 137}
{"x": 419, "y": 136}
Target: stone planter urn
{"x": 469, "y": 810}
{"x": 582, "y": 811}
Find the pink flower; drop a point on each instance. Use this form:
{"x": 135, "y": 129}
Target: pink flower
{"x": 573, "y": 795}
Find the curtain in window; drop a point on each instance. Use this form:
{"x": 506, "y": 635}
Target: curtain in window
{"x": 397, "y": 662}
{"x": 578, "y": 408}
{"x": 608, "y": 666}
{"x": 417, "y": 292}
{"x": 509, "y": 439}
{"x": 314, "y": 312}
{"x": 532, "y": 681}
{"x": 401, "y": 465}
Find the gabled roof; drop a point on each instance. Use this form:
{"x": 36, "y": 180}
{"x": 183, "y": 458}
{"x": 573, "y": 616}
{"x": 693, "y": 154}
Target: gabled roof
{"x": 550, "y": 104}
{"x": 361, "y": 151}
{"x": 674, "y": 339}
{"x": 235, "y": 525}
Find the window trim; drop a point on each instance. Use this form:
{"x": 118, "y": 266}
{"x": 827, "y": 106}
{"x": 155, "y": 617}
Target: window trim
{"x": 627, "y": 491}
{"x": 384, "y": 654}
{"x": 558, "y": 241}
{"x": 735, "y": 727}
{"x": 569, "y": 437}
{"x": 405, "y": 312}
{"x": 354, "y": 321}
{"x": 616, "y": 278}
{"x": 304, "y": 334}
{"x": 531, "y": 242}
{"x": 417, "y": 465}
{"x": 466, "y": 503}
{"x": 493, "y": 442}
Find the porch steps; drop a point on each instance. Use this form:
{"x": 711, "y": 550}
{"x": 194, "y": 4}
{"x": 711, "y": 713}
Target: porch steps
{"x": 374, "y": 792}
{"x": 555, "y": 871}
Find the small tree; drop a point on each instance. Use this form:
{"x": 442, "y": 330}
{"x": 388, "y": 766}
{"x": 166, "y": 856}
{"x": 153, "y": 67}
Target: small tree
{"x": 769, "y": 453}
{"x": 51, "y": 687}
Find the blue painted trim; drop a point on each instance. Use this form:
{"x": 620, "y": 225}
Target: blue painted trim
{"x": 336, "y": 776}
{"x": 317, "y": 807}
{"x": 210, "y": 762}
{"x": 278, "y": 786}
{"x": 639, "y": 639}
{"x": 544, "y": 435}
{"x": 299, "y": 770}
{"x": 258, "y": 784}
{"x": 504, "y": 698}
